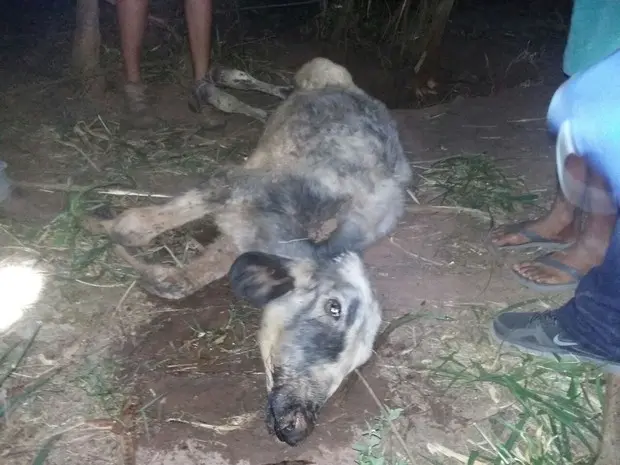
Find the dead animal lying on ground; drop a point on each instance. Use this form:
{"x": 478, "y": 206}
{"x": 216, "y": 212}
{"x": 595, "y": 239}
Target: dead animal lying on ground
{"x": 326, "y": 180}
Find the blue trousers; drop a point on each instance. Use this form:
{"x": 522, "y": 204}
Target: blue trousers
{"x": 592, "y": 316}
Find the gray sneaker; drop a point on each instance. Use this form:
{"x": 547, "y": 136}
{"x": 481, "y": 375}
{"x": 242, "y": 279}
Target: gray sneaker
{"x": 540, "y": 334}
{"x": 140, "y": 112}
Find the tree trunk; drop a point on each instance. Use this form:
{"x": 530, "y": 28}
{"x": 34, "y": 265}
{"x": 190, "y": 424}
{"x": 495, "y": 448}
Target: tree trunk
{"x": 429, "y": 53}
{"x": 609, "y": 449}
{"x": 87, "y": 39}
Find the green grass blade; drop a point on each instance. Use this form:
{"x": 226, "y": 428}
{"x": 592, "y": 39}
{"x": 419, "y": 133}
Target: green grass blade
{"x": 15, "y": 365}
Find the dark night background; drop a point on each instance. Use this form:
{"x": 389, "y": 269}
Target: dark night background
{"x": 481, "y": 38}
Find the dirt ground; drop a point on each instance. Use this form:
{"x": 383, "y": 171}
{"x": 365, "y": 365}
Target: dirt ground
{"x": 183, "y": 383}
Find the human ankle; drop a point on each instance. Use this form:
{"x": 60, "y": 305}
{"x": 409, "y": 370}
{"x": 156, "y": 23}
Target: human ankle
{"x": 560, "y": 219}
{"x": 594, "y": 246}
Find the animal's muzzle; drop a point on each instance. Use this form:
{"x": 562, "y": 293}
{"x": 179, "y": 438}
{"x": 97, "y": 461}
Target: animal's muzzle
{"x": 290, "y": 419}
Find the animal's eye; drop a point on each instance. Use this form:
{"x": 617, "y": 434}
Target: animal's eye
{"x": 333, "y": 308}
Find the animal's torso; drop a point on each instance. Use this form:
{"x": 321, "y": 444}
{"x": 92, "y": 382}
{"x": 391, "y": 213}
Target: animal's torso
{"x": 325, "y": 155}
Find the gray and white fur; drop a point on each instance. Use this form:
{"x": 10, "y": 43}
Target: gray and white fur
{"x": 326, "y": 180}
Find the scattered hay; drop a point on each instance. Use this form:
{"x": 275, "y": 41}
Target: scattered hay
{"x": 474, "y": 182}
{"x": 230, "y": 424}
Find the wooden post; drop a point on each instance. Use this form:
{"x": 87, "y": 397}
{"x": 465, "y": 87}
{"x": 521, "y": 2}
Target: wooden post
{"x": 609, "y": 448}
{"x": 86, "y": 39}
{"x": 429, "y": 53}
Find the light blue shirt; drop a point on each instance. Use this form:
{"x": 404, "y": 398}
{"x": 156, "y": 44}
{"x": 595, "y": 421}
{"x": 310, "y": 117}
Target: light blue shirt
{"x": 590, "y": 100}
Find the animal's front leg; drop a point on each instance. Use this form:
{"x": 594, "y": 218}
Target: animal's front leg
{"x": 237, "y": 79}
{"x": 172, "y": 283}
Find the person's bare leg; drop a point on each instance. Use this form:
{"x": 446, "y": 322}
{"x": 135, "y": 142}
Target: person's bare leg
{"x": 561, "y": 224}
{"x": 132, "y": 19}
{"x": 199, "y": 16}
{"x": 587, "y": 252}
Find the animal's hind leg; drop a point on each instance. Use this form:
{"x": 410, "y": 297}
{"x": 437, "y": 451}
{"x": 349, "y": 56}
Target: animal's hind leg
{"x": 172, "y": 283}
{"x": 228, "y": 103}
{"x": 237, "y": 79}
{"x": 139, "y": 226}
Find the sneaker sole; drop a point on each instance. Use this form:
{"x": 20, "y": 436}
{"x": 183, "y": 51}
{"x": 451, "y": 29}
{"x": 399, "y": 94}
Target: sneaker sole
{"x": 605, "y": 366}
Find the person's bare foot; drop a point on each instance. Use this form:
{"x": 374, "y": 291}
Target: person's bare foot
{"x": 199, "y": 102}
{"x": 139, "y": 111}
{"x": 549, "y": 228}
{"x": 580, "y": 257}
{"x": 200, "y": 94}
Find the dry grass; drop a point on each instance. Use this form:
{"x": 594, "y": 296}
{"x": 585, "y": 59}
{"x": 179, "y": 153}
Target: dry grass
{"x": 473, "y": 182}
{"x": 544, "y": 411}
{"x": 539, "y": 411}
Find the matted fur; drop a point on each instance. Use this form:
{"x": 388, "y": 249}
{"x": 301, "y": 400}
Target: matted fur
{"x": 326, "y": 180}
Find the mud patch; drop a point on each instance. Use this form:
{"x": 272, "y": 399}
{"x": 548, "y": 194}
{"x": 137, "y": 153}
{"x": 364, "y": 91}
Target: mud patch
{"x": 198, "y": 366}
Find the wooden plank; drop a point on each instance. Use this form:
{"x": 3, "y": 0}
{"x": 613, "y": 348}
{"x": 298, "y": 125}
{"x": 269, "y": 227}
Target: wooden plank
{"x": 609, "y": 448}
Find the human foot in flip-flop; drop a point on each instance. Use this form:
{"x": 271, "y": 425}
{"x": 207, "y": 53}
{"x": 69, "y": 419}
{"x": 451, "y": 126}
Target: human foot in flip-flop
{"x": 546, "y": 233}
{"x": 562, "y": 270}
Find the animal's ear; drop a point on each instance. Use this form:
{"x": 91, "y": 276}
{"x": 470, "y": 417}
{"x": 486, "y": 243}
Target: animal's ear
{"x": 259, "y": 277}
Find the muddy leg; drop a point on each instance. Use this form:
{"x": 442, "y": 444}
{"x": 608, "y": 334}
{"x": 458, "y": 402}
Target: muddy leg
{"x": 169, "y": 282}
{"x": 132, "y": 19}
{"x": 137, "y": 227}
{"x": 236, "y": 79}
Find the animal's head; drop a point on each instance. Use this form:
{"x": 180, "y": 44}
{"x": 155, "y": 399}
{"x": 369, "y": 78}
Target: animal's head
{"x": 319, "y": 323}
{"x": 319, "y": 73}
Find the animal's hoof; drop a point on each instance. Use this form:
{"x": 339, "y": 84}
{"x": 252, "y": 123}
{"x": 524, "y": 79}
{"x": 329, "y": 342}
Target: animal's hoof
{"x": 94, "y": 225}
{"x": 104, "y": 212}
{"x": 167, "y": 282}
{"x": 258, "y": 113}
{"x": 283, "y": 92}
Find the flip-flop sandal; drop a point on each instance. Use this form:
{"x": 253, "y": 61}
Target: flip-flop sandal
{"x": 550, "y": 262}
{"x": 534, "y": 240}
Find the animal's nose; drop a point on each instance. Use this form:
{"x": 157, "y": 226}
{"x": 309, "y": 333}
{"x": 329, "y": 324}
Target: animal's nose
{"x": 294, "y": 426}
{"x": 290, "y": 419}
